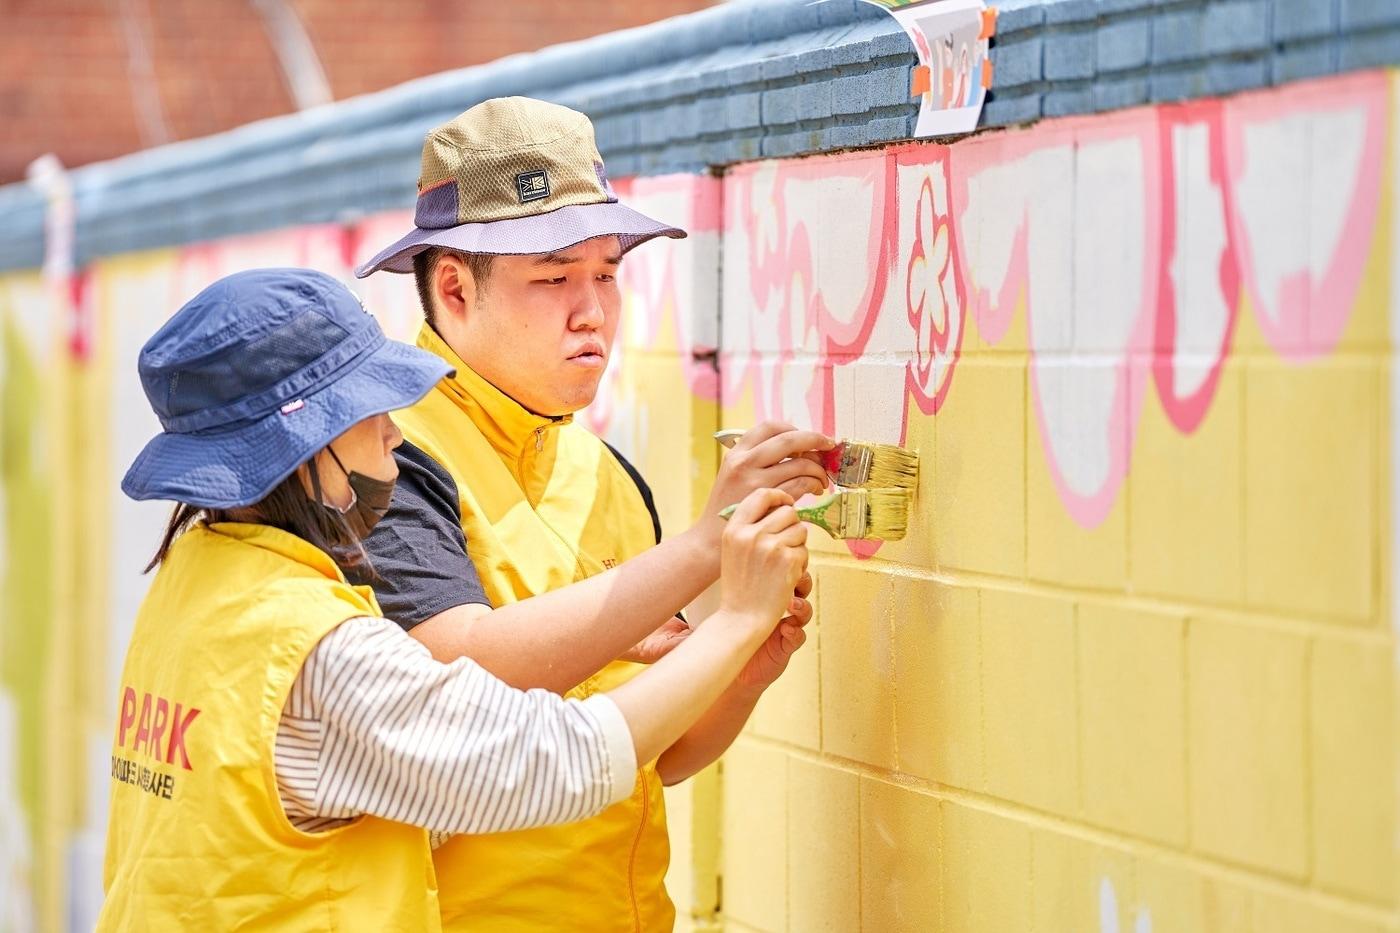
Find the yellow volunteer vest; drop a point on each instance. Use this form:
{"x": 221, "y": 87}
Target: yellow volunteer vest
{"x": 544, "y": 504}
{"x": 197, "y": 838}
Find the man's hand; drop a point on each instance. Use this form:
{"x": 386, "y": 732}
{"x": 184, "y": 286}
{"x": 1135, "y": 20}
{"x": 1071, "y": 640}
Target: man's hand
{"x": 769, "y": 456}
{"x": 771, "y": 659}
{"x": 659, "y": 643}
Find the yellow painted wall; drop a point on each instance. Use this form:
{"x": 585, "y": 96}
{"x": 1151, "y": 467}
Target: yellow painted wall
{"x": 1134, "y": 667}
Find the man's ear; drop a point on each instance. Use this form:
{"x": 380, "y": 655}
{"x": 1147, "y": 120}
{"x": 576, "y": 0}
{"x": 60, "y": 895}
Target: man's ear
{"x": 454, "y": 290}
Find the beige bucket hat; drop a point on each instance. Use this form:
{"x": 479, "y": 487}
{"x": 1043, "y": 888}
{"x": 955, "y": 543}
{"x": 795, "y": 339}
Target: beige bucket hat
{"x": 514, "y": 175}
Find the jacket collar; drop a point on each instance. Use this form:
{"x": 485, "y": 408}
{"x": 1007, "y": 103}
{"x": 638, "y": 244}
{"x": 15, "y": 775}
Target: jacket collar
{"x": 282, "y": 543}
{"x": 508, "y": 426}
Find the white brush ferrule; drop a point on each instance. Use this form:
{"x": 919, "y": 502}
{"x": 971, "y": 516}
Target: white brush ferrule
{"x": 855, "y": 509}
{"x": 855, "y": 465}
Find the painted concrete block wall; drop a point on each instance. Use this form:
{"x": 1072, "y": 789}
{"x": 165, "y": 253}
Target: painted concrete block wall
{"x": 28, "y": 351}
{"x": 1132, "y": 669}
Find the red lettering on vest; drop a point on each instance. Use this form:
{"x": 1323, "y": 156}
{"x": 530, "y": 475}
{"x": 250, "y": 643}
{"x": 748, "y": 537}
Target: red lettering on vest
{"x": 158, "y": 725}
{"x": 128, "y": 716}
{"x": 178, "y": 727}
{"x": 143, "y": 726}
{"x": 151, "y": 724}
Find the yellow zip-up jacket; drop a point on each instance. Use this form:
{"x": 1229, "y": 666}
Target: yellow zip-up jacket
{"x": 197, "y": 838}
{"x": 544, "y": 504}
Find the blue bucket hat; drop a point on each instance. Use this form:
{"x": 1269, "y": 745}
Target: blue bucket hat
{"x": 255, "y": 375}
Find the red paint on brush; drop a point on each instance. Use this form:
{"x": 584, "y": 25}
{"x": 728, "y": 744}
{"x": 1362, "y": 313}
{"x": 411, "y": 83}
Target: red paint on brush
{"x": 831, "y": 459}
{"x": 831, "y": 462}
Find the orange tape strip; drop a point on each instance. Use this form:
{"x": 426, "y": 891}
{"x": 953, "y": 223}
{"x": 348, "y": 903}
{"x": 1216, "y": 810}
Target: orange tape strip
{"x": 921, "y": 81}
{"x": 989, "y": 23}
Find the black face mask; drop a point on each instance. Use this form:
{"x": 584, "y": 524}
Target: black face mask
{"x": 370, "y": 503}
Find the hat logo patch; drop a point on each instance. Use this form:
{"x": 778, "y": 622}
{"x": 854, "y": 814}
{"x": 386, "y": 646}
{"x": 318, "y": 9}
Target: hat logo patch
{"x": 602, "y": 174}
{"x": 532, "y": 186}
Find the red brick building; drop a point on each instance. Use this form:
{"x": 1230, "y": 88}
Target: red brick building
{"x": 93, "y": 79}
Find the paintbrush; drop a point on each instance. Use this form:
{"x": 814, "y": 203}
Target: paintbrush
{"x": 855, "y": 463}
{"x": 868, "y": 514}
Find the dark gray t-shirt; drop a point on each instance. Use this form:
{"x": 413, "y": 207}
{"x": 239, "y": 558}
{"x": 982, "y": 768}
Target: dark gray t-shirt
{"x": 418, "y": 551}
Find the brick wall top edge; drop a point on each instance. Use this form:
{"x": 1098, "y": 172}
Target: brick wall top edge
{"x": 809, "y": 66}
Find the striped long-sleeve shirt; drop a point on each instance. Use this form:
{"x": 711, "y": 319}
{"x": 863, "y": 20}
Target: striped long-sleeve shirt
{"x": 374, "y": 725}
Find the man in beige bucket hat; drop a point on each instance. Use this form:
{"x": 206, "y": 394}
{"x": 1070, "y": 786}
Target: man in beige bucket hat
{"x": 503, "y": 504}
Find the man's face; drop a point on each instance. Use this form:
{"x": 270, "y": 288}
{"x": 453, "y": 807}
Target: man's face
{"x": 542, "y": 328}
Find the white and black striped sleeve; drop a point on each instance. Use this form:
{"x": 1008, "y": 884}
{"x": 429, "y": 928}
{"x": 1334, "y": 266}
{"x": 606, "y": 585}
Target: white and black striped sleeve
{"x": 374, "y": 725}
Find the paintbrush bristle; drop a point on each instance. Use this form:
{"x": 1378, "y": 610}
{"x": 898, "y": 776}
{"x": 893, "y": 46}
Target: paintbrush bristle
{"x": 893, "y": 467}
{"x": 887, "y": 516}
{"x": 861, "y": 514}
{"x": 879, "y": 466}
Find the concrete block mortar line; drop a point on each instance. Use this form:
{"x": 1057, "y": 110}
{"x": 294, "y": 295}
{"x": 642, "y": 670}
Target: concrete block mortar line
{"x": 1030, "y": 874}
{"x": 1298, "y": 19}
{"x": 1189, "y": 834}
{"x": 893, "y": 658}
{"x": 1071, "y": 11}
{"x": 1384, "y": 467}
{"x": 1257, "y": 880}
{"x": 1019, "y": 110}
{"x": 1300, "y": 61}
{"x": 1236, "y": 75}
{"x": 1077, "y": 676}
{"x": 1310, "y": 785}
{"x": 1237, "y": 26}
{"x": 1068, "y": 102}
{"x": 1370, "y": 49}
{"x": 821, "y": 722}
{"x": 981, "y": 693}
{"x": 1301, "y": 624}
{"x": 1109, "y": 9}
{"x": 1367, "y": 13}
{"x": 1026, "y": 401}
{"x": 1381, "y": 470}
{"x": 940, "y": 848}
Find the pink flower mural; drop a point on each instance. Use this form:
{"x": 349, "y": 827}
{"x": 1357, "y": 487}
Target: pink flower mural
{"x": 935, "y": 301}
{"x": 1123, "y": 239}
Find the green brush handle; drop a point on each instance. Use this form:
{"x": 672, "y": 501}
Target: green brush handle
{"x": 814, "y": 513}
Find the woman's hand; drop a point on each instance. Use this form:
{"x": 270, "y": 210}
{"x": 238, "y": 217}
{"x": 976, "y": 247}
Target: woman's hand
{"x": 772, "y": 657}
{"x": 772, "y": 456}
{"x": 763, "y": 556}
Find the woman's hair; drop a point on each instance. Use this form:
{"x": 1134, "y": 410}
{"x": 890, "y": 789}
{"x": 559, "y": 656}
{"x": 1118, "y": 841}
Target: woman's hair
{"x": 287, "y": 507}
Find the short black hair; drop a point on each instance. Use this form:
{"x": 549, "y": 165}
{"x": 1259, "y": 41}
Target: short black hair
{"x": 425, "y": 262}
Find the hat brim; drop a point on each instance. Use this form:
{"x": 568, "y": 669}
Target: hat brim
{"x": 523, "y": 236}
{"x": 230, "y": 469}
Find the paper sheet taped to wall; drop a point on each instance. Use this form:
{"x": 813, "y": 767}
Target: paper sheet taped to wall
{"x": 954, "y": 72}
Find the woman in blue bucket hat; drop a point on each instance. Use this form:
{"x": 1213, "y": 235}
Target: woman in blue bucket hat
{"x": 284, "y": 757}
